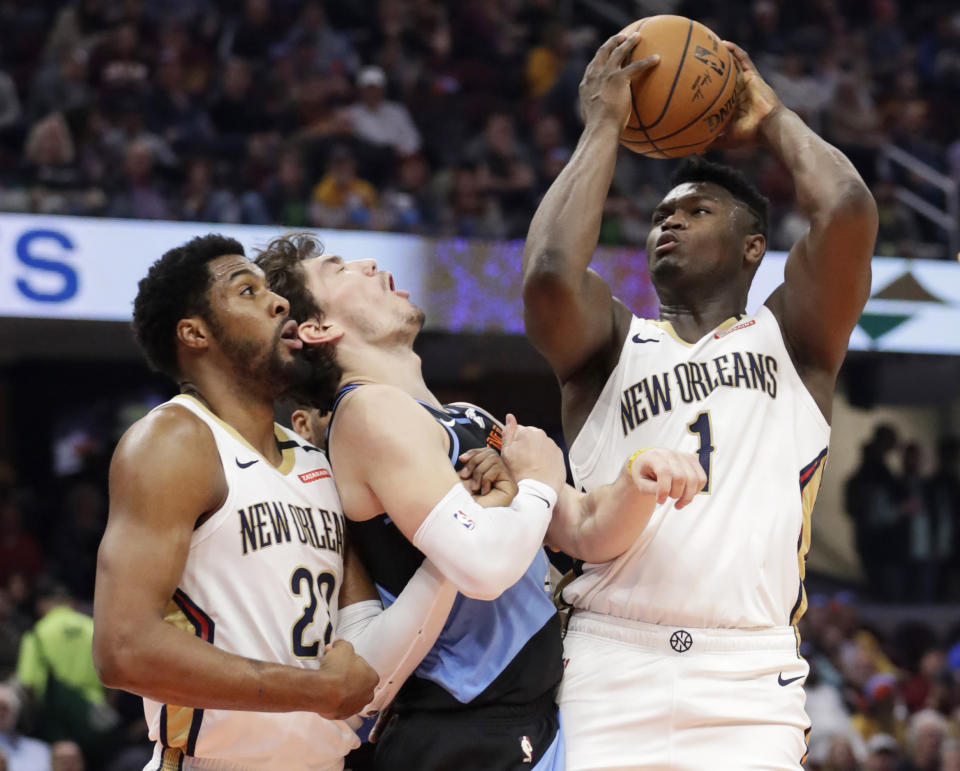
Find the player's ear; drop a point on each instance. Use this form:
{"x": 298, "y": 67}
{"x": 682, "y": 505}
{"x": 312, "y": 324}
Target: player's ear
{"x": 193, "y": 332}
{"x": 300, "y": 420}
{"x": 754, "y": 247}
{"x": 317, "y": 332}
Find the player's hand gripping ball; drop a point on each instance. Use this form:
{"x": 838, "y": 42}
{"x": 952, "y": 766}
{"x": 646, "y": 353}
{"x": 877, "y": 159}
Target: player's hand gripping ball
{"x": 681, "y": 105}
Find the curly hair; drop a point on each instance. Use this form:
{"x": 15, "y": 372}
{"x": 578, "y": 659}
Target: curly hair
{"x": 176, "y": 287}
{"x": 281, "y": 261}
{"x": 696, "y": 169}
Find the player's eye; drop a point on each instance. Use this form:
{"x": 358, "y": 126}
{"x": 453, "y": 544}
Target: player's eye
{"x": 247, "y": 289}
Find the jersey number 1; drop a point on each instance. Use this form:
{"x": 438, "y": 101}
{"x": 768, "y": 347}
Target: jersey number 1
{"x": 326, "y": 582}
{"x": 701, "y": 427}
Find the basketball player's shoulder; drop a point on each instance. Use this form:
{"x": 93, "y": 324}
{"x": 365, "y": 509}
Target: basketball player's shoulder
{"x": 170, "y": 429}
{"x": 378, "y": 413}
{"x": 169, "y": 449}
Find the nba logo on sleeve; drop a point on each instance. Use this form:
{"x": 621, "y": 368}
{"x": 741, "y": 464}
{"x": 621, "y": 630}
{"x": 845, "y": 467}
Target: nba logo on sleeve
{"x": 464, "y": 520}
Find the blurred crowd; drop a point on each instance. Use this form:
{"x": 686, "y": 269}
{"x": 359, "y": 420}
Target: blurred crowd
{"x": 906, "y": 518}
{"x": 427, "y": 116}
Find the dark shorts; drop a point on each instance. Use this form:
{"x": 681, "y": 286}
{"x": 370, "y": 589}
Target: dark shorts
{"x": 497, "y": 738}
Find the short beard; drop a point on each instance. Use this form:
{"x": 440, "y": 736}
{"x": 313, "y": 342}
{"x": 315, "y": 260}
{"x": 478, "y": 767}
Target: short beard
{"x": 265, "y": 372}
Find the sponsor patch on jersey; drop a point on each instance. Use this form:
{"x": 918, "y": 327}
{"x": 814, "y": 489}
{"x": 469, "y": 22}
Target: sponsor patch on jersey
{"x": 313, "y": 476}
{"x": 734, "y": 328}
{"x": 464, "y": 520}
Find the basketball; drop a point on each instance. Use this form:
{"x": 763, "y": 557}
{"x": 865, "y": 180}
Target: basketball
{"x": 682, "y": 104}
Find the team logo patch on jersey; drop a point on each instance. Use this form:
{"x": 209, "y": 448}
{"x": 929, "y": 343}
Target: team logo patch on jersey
{"x": 464, "y": 520}
{"x": 526, "y": 746}
{"x": 472, "y": 414}
{"x": 741, "y": 325}
{"x": 681, "y": 641}
{"x": 313, "y": 476}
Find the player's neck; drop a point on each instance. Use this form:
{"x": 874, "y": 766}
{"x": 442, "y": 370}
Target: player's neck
{"x": 397, "y": 366}
{"x": 692, "y": 320}
{"x": 250, "y": 414}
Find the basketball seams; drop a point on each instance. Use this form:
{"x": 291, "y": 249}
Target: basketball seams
{"x": 639, "y": 136}
{"x": 706, "y": 109}
{"x": 676, "y": 76}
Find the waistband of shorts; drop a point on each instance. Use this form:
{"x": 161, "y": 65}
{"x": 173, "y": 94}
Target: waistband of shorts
{"x": 678, "y": 640}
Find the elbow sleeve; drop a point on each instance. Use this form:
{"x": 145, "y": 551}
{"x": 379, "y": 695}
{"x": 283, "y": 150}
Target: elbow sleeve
{"x": 484, "y": 551}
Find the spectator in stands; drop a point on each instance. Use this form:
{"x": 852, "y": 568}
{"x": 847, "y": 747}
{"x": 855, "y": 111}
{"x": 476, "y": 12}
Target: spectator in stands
{"x": 951, "y": 754}
{"x": 332, "y": 51}
{"x": 883, "y": 753}
{"x": 66, "y": 756}
{"x": 61, "y": 86}
{"x": 943, "y": 502}
{"x": 853, "y": 122}
{"x": 287, "y": 194}
{"x": 22, "y": 753}
{"x": 140, "y": 195}
{"x": 925, "y": 736}
{"x": 379, "y": 121}
{"x": 503, "y": 171}
{"x": 56, "y": 668}
{"x": 341, "y": 198}
{"x": 880, "y": 709}
{"x": 20, "y": 553}
{"x": 840, "y": 756}
{"x": 201, "y": 201}
{"x": 468, "y": 211}
{"x": 872, "y": 500}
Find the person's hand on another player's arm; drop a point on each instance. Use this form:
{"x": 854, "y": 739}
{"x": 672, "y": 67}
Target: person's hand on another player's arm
{"x": 158, "y": 492}
{"x": 532, "y": 455}
{"x": 601, "y": 525}
{"x": 351, "y": 682}
{"x": 482, "y": 551}
{"x": 486, "y": 476}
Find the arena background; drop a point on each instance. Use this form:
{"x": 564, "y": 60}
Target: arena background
{"x": 128, "y": 127}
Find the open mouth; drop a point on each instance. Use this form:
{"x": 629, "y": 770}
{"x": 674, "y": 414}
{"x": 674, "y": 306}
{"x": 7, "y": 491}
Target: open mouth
{"x": 290, "y": 334}
{"x": 393, "y": 287}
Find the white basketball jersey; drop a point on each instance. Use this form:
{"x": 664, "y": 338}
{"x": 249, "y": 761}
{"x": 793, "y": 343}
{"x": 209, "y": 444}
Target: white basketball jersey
{"x": 734, "y": 557}
{"x": 261, "y": 580}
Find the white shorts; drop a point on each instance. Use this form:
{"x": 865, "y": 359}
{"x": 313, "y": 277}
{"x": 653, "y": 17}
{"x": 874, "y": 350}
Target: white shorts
{"x": 644, "y": 696}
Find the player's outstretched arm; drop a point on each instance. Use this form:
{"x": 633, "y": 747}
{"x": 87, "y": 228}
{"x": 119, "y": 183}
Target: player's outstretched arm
{"x": 392, "y": 640}
{"x": 158, "y": 490}
{"x": 601, "y": 525}
{"x": 827, "y": 279}
{"x": 389, "y": 455}
{"x": 570, "y": 314}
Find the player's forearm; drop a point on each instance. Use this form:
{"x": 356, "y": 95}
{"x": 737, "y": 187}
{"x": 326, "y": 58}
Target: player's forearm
{"x": 600, "y": 525}
{"x": 395, "y": 640}
{"x": 827, "y": 184}
{"x": 168, "y": 665}
{"x": 566, "y": 226}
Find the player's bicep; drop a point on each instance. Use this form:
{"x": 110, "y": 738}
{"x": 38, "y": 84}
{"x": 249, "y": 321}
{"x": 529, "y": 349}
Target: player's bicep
{"x": 157, "y": 493}
{"x": 391, "y": 445}
{"x": 826, "y": 284}
{"x": 569, "y": 323}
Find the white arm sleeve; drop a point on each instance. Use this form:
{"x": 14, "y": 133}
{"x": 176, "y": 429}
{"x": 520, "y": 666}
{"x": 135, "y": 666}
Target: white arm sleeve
{"x": 485, "y": 551}
{"x": 394, "y": 641}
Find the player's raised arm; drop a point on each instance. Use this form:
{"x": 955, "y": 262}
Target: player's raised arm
{"x": 158, "y": 491}
{"x": 389, "y": 455}
{"x": 602, "y": 524}
{"x": 827, "y": 278}
{"x": 570, "y": 314}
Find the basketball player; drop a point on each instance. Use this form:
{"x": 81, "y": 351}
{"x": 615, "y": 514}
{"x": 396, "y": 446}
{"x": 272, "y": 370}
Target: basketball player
{"x": 221, "y": 569}
{"x": 682, "y": 652}
{"x": 483, "y": 698}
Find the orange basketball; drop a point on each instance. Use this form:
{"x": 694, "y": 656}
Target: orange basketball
{"x": 683, "y": 103}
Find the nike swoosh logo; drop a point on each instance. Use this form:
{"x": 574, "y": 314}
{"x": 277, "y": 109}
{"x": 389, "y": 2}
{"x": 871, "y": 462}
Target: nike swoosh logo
{"x": 787, "y": 682}
{"x": 637, "y": 339}
{"x": 248, "y": 464}
{"x": 540, "y": 497}
{"x": 449, "y": 423}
